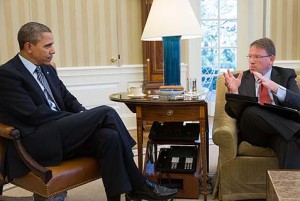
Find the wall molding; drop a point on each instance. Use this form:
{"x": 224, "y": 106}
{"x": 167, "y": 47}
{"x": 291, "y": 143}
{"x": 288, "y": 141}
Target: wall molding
{"x": 288, "y": 63}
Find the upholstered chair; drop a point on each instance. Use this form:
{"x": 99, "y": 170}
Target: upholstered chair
{"x": 46, "y": 183}
{"x": 241, "y": 171}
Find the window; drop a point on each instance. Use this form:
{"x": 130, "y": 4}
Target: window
{"x": 219, "y": 43}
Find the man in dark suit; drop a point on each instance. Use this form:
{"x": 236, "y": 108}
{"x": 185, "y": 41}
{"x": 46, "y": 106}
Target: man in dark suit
{"x": 55, "y": 126}
{"x": 261, "y": 127}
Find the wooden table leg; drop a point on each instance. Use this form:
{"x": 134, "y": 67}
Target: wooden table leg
{"x": 139, "y": 125}
{"x": 203, "y": 158}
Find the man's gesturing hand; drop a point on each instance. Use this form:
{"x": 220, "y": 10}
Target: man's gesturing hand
{"x": 232, "y": 83}
{"x": 273, "y": 86}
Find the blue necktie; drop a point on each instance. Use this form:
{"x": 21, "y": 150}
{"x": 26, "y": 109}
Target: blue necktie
{"x": 47, "y": 91}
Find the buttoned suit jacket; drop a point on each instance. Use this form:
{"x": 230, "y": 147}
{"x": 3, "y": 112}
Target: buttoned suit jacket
{"x": 24, "y": 106}
{"x": 284, "y": 77}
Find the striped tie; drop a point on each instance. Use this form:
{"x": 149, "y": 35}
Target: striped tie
{"x": 47, "y": 91}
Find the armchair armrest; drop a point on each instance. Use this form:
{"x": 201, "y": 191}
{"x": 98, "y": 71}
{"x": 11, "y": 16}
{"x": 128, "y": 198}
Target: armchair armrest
{"x": 224, "y": 127}
{"x": 225, "y": 136}
{"x": 6, "y": 131}
{"x": 11, "y": 133}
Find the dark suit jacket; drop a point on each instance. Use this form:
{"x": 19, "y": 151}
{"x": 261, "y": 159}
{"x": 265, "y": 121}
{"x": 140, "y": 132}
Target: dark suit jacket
{"x": 283, "y": 76}
{"x": 23, "y": 105}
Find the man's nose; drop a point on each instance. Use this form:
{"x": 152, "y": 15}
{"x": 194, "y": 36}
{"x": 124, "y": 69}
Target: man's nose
{"x": 52, "y": 51}
{"x": 252, "y": 61}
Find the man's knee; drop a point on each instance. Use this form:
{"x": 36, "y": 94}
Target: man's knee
{"x": 107, "y": 134}
{"x": 100, "y": 112}
{"x": 251, "y": 111}
{"x": 104, "y": 109}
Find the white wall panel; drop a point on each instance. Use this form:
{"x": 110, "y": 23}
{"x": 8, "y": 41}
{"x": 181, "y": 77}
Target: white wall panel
{"x": 288, "y": 63}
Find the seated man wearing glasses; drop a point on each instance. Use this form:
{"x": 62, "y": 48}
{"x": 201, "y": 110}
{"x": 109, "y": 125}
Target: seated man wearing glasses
{"x": 272, "y": 85}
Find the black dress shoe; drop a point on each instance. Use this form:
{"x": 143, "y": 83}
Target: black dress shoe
{"x": 152, "y": 191}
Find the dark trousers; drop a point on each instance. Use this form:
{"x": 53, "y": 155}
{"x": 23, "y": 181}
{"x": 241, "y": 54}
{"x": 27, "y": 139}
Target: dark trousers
{"x": 266, "y": 129}
{"x": 100, "y": 132}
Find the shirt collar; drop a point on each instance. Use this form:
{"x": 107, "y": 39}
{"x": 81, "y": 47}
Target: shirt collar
{"x": 268, "y": 74}
{"x": 30, "y": 66}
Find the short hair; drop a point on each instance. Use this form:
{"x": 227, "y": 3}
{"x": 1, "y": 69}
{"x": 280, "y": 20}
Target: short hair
{"x": 31, "y": 32}
{"x": 266, "y": 44}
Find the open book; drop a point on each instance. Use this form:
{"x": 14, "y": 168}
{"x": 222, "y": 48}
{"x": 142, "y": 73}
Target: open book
{"x": 238, "y": 103}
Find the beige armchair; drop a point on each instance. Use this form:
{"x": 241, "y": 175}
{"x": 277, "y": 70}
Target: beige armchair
{"x": 241, "y": 172}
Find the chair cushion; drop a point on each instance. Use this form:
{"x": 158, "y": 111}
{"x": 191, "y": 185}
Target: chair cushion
{"x": 247, "y": 149}
{"x": 67, "y": 175}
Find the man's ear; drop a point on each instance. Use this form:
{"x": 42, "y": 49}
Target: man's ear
{"x": 272, "y": 59}
{"x": 27, "y": 47}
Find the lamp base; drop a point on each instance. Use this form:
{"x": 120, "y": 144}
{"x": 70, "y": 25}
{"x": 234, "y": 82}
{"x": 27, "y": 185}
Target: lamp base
{"x": 171, "y": 45}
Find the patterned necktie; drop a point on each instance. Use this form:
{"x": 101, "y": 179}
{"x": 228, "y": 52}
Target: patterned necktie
{"x": 264, "y": 96}
{"x": 47, "y": 91}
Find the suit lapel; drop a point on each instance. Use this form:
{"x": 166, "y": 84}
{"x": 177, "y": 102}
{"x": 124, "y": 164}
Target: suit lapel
{"x": 27, "y": 75}
{"x": 250, "y": 84}
{"x": 29, "y": 78}
{"x": 23, "y": 70}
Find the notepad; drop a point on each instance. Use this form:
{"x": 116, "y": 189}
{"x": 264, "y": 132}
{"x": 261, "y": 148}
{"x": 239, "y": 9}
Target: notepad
{"x": 238, "y": 103}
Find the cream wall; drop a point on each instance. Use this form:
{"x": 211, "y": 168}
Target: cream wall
{"x": 87, "y": 33}
{"x": 91, "y": 33}
{"x": 276, "y": 19}
{"x": 284, "y": 27}
{"x": 250, "y": 27}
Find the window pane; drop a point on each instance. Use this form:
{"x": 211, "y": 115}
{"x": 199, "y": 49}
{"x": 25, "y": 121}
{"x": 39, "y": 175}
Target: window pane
{"x": 209, "y": 57}
{"x": 228, "y": 9}
{"x": 209, "y": 82}
{"x": 228, "y": 58}
{"x": 210, "y": 33}
{"x": 209, "y": 76}
{"x": 228, "y": 33}
{"x": 209, "y": 9}
{"x": 219, "y": 43}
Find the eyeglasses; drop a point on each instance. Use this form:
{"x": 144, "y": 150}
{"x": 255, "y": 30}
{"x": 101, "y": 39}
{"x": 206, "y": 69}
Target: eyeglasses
{"x": 256, "y": 57}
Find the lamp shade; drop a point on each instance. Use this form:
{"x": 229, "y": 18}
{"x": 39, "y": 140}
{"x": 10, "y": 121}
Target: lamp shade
{"x": 171, "y": 18}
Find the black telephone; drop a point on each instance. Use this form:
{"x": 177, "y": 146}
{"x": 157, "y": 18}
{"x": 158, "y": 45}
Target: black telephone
{"x": 172, "y": 131}
{"x": 179, "y": 159}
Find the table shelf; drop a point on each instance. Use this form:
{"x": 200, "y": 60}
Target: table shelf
{"x": 188, "y": 184}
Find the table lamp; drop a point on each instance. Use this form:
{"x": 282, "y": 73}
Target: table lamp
{"x": 171, "y": 21}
